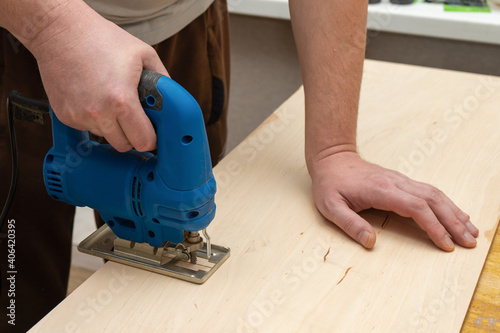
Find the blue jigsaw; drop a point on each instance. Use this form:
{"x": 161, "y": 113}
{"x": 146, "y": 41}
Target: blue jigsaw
{"x": 154, "y": 205}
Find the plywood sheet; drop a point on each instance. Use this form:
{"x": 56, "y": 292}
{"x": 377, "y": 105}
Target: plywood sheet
{"x": 292, "y": 271}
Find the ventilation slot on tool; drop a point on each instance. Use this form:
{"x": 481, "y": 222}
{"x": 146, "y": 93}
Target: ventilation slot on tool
{"x": 136, "y": 197}
{"x": 54, "y": 182}
{"x": 125, "y": 223}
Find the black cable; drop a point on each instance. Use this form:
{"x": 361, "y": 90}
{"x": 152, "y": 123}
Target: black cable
{"x": 15, "y": 167}
{"x": 27, "y": 109}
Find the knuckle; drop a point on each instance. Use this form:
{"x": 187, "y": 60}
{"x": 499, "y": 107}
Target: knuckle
{"x": 349, "y": 225}
{"x": 381, "y": 183}
{"x": 92, "y": 114}
{"x": 67, "y": 118}
{"x": 150, "y": 50}
{"x": 119, "y": 102}
{"x": 142, "y": 144}
{"x": 418, "y": 204}
{"x": 435, "y": 196}
{"x": 65, "y": 112}
{"x": 457, "y": 224}
{"x": 461, "y": 215}
{"x": 325, "y": 203}
{"x": 403, "y": 177}
{"x": 106, "y": 125}
{"x": 88, "y": 113}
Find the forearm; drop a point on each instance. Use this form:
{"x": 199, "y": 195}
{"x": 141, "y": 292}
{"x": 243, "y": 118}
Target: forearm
{"x": 90, "y": 68}
{"x": 330, "y": 38}
{"x": 35, "y": 22}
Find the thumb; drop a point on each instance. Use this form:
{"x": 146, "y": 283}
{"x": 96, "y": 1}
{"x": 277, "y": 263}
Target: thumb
{"x": 352, "y": 224}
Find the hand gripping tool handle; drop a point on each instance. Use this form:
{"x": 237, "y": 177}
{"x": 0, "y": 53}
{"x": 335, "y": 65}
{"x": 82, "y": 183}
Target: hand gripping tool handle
{"x": 143, "y": 197}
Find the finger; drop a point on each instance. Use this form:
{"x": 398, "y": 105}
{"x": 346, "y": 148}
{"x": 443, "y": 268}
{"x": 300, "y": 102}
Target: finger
{"x": 352, "y": 224}
{"x": 137, "y": 127}
{"x": 102, "y": 127}
{"x": 408, "y": 205}
{"x": 451, "y": 217}
{"x": 433, "y": 195}
{"x": 437, "y": 200}
{"x": 113, "y": 133}
{"x": 130, "y": 124}
{"x": 462, "y": 216}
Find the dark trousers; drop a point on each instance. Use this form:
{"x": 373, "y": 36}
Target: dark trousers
{"x": 197, "y": 58}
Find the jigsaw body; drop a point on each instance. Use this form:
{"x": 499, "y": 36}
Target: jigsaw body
{"x": 162, "y": 200}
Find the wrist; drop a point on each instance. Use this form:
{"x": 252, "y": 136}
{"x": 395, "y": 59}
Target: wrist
{"x": 329, "y": 130}
{"x": 315, "y": 158}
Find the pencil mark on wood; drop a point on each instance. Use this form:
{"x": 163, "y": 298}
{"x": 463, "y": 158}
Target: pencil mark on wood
{"x": 345, "y": 274}
{"x": 327, "y": 252}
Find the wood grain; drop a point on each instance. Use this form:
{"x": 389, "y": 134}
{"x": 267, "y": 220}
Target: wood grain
{"x": 292, "y": 271}
{"x": 77, "y": 275}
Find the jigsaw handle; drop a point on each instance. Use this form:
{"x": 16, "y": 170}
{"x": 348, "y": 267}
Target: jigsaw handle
{"x": 66, "y": 139}
{"x": 182, "y": 147}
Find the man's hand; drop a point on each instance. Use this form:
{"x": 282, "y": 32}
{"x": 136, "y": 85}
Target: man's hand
{"x": 90, "y": 69}
{"x": 344, "y": 184}
{"x": 331, "y": 39}
{"x": 91, "y": 73}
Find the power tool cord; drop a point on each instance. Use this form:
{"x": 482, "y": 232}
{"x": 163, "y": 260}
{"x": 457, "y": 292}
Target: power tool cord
{"x": 15, "y": 166}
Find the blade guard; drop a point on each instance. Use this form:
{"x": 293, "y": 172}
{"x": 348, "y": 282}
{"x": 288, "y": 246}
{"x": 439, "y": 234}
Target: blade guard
{"x": 141, "y": 196}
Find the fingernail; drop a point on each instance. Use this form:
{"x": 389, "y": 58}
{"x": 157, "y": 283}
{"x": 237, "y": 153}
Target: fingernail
{"x": 364, "y": 238}
{"x": 469, "y": 237}
{"x": 472, "y": 229}
{"x": 449, "y": 243}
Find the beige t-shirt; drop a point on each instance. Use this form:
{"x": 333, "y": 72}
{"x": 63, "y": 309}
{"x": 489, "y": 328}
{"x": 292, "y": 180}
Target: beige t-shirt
{"x": 150, "y": 20}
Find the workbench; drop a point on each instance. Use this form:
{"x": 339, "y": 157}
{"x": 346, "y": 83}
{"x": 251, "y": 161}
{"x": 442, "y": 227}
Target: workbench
{"x": 290, "y": 270}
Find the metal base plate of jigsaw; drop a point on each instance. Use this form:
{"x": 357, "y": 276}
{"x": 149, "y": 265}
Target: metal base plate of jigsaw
{"x": 102, "y": 244}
